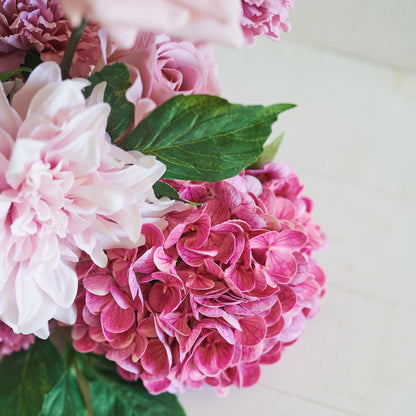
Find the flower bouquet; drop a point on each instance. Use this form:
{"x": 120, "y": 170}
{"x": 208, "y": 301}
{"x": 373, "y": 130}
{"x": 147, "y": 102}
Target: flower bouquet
{"x": 148, "y": 242}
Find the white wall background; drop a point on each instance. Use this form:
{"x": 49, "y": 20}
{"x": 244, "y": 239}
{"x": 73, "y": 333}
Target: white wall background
{"x": 351, "y": 68}
{"x": 381, "y": 30}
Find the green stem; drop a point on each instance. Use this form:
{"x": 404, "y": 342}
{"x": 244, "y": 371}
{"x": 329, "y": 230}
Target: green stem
{"x": 71, "y": 47}
{"x": 84, "y": 386}
{"x": 60, "y": 337}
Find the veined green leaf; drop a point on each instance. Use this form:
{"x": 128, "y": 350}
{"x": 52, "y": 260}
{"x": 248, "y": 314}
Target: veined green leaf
{"x": 111, "y": 395}
{"x": 26, "y": 377}
{"x": 204, "y": 138}
{"x": 162, "y": 189}
{"x": 65, "y": 398}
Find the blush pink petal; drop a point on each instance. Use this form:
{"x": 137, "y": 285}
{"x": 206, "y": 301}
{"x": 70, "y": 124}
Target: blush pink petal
{"x": 217, "y": 20}
{"x": 164, "y": 298}
{"x": 96, "y": 303}
{"x": 98, "y": 284}
{"x": 241, "y": 277}
{"x": 287, "y": 298}
{"x": 249, "y": 374}
{"x": 253, "y": 330}
{"x": 155, "y": 360}
{"x": 115, "y": 319}
{"x": 273, "y": 355}
{"x": 213, "y": 355}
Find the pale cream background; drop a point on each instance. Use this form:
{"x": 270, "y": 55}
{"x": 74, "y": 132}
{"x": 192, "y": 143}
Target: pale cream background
{"x": 351, "y": 68}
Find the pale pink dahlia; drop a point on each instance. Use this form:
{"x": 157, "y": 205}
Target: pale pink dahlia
{"x": 223, "y": 289}
{"x": 41, "y": 25}
{"x": 265, "y": 17}
{"x": 63, "y": 188}
{"x": 11, "y": 342}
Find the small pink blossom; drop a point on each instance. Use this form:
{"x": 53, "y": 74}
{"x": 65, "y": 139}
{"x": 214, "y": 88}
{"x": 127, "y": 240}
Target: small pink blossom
{"x": 265, "y": 17}
{"x": 63, "y": 188}
{"x": 41, "y": 25}
{"x": 223, "y": 289}
{"x": 209, "y": 20}
{"x": 11, "y": 342}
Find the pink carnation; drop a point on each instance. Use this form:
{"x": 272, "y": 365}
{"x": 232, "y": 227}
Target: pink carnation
{"x": 41, "y": 25}
{"x": 11, "y": 342}
{"x": 161, "y": 68}
{"x": 225, "y": 288}
{"x": 265, "y": 17}
{"x": 216, "y": 20}
{"x": 63, "y": 188}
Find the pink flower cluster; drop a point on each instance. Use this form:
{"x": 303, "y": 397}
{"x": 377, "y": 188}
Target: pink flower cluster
{"x": 11, "y": 342}
{"x": 42, "y": 26}
{"x": 265, "y": 17}
{"x": 223, "y": 289}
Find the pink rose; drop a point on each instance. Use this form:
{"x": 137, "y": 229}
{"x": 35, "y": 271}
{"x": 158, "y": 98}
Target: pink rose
{"x": 216, "y": 20}
{"x": 184, "y": 68}
{"x": 161, "y": 68}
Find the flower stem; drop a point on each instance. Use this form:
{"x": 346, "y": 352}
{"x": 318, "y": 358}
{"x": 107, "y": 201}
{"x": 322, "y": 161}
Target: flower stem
{"x": 71, "y": 47}
{"x": 84, "y": 386}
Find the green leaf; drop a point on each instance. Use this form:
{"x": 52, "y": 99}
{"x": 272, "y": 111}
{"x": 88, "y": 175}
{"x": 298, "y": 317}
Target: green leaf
{"x": 26, "y": 377}
{"x": 162, "y": 189}
{"x": 32, "y": 60}
{"x": 7, "y": 75}
{"x": 204, "y": 138}
{"x": 111, "y": 395}
{"x": 269, "y": 153}
{"x": 117, "y": 77}
{"x": 65, "y": 398}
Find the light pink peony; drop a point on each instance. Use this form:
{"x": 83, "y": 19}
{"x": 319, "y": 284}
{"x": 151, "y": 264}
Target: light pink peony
{"x": 215, "y": 20}
{"x": 11, "y": 342}
{"x": 161, "y": 68}
{"x": 63, "y": 188}
{"x": 40, "y": 25}
{"x": 265, "y": 17}
{"x": 223, "y": 290}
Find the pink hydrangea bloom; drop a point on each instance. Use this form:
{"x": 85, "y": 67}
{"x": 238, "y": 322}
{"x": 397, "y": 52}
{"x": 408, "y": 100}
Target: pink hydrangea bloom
{"x": 216, "y": 20}
{"x": 11, "y": 342}
{"x": 41, "y": 25}
{"x": 225, "y": 288}
{"x": 265, "y": 17}
{"x": 63, "y": 188}
{"x": 161, "y": 67}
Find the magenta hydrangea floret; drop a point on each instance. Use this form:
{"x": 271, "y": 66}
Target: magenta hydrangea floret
{"x": 223, "y": 289}
{"x": 265, "y": 17}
